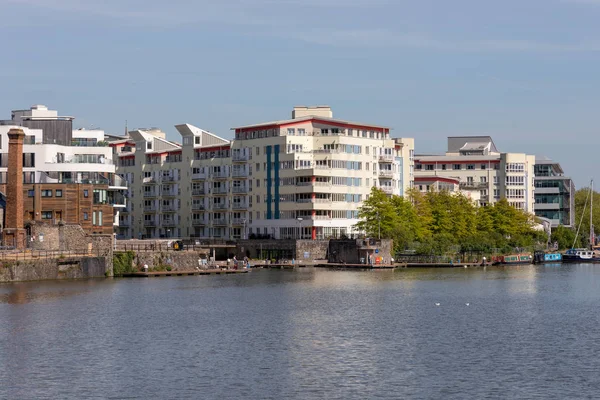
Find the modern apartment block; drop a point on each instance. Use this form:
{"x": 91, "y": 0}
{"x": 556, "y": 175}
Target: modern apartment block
{"x": 480, "y": 167}
{"x": 554, "y": 193}
{"x": 303, "y": 177}
{"x": 68, "y": 174}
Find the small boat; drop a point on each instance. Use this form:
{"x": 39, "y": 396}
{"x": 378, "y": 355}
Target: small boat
{"x": 514, "y": 259}
{"x": 580, "y": 256}
{"x": 541, "y": 257}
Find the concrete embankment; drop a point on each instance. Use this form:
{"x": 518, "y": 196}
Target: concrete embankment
{"x": 54, "y": 269}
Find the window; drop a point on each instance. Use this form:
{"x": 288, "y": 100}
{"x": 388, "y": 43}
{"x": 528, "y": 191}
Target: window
{"x": 85, "y": 216}
{"x": 456, "y": 166}
{"x": 58, "y": 193}
{"x": 429, "y": 167}
{"x": 483, "y": 166}
{"x": 515, "y": 167}
{"x": 30, "y": 193}
{"x": 46, "y": 193}
{"x": 470, "y": 166}
{"x": 86, "y": 193}
{"x": 443, "y": 167}
{"x": 46, "y": 214}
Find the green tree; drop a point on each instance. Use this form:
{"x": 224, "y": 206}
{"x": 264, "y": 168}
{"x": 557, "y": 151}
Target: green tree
{"x": 378, "y": 216}
{"x": 582, "y": 215}
{"x": 563, "y": 236}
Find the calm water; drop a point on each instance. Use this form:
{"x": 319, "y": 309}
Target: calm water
{"x": 529, "y": 332}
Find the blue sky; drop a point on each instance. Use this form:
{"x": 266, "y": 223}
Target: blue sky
{"x": 525, "y": 72}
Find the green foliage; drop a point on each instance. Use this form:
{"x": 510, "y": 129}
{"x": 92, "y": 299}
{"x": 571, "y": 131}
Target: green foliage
{"x": 581, "y": 209}
{"x": 123, "y": 262}
{"x": 563, "y": 236}
{"x": 442, "y": 222}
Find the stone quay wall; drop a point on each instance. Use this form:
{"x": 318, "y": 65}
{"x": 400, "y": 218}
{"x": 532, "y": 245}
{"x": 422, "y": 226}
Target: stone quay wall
{"x": 53, "y": 269}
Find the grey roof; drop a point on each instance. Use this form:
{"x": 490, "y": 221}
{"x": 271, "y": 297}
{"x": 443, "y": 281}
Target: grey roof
{"x": 456, "y": 143}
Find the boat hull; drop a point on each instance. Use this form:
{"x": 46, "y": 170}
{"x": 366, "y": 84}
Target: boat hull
{"x": 580, "y": 260}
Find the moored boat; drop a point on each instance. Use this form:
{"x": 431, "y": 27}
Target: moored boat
{"x": 541, "y": 257}
{"x": 580, "y": 256}
{"x": 513, "y": 259}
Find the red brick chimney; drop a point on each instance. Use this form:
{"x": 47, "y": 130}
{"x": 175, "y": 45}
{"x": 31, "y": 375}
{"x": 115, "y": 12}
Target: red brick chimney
{"x": 14, "y": 232}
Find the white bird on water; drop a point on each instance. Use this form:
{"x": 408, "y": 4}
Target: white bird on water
{"x": 467, "y": 304}
{"x": 437, "y": 304}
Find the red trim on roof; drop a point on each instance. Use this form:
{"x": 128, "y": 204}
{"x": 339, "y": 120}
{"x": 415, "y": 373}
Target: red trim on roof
{"x": 313, "y": 120}
{"x": 436, "y": 179}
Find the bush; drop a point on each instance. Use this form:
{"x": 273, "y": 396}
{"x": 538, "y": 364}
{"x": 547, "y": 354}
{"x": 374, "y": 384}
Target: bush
{"x": 123, "y": 263}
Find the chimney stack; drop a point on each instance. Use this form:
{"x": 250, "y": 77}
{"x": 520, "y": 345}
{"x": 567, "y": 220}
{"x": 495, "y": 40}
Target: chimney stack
{"x": 14, "y": 232}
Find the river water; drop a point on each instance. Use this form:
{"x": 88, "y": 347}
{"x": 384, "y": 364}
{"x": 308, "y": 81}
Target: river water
{"x": 528, "y": 332}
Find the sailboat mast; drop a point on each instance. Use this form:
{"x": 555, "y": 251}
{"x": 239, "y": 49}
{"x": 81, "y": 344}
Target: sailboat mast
{"x": 591, "y": 220}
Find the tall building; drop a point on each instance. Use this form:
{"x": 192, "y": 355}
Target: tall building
{"x": 303, "y": 177}
{"x": 68, "y": 175}
{"x": 480, "y": 167}
{"x": 554, "y": 193}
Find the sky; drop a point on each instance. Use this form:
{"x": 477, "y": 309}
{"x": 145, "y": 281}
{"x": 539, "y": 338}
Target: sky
{"x": 525, "y": 72}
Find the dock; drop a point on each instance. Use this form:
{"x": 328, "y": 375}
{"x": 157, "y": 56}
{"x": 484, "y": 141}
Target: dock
{"x": 150, "y": 274}
{"x": 358, "y": 266}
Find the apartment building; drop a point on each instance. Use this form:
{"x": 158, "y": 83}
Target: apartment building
{"x": 554, "y": 193}
{"x": 480, "y": 167}
{"x": 303, "y": 177}
{"x": 68, "y": 174}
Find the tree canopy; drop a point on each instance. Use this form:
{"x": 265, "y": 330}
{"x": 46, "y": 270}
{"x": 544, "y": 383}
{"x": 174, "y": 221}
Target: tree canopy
{"x": 440, "y": 222}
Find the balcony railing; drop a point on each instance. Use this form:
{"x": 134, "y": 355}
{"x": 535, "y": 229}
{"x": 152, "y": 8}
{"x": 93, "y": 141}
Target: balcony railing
{"x": 219, "y": 190}
{"x": 169, "y": 222}
{"x": 238, "y": 221}
{"x": 219, "y": 221}
{"x": 239, "y": 189}
{"x": 149, "y": 223}
{"x": 149, "y": 181}
{"x": 473, "y": 185}
{"x": 241, "y": 157}
{"x": 197, "y": 207}
{"x": 149, "y": 194}
{"x": 198, "y": 192}
{"x": 384, "y": 173}
{"x": 387, "y": 189}
{"x": 200, "y": 176}
{"x": 219, "y": 206}
{"x": 169, "y": 208}
{"x": 197, "y": 222}
{"x": 220, "y": 175}
{"x": 150, "y": 209}
{"x": 387, "y": 158}
{"x": 239, "y": 206}
{"x": 168, "y": 179}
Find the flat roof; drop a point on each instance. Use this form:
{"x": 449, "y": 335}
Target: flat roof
{"x": 310, "y": 118}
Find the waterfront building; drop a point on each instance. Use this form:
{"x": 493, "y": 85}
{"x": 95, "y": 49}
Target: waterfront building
{"x": 303, "y": 177}
{"x": 554, "y": 193}
{"x": 480, "y": 167}
{"x": 68, "y": 175}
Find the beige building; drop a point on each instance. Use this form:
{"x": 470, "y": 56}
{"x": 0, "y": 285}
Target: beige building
{"x": 478, "y": 166}
{"x": 302, "y": 177}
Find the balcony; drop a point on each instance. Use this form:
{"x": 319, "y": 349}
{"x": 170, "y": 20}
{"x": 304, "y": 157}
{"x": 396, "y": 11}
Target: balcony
{"x": 198, "y": 222}
{"x": 238, "y": 221}
{"x": 239, "y": 174}
{"x": 149, "y": 223}
{"x": 219, "y": 206}
{"x": 241, "y": 157}
{"x": 117, "y": 183}
{"x": 198, "y": 207}
{"x": 199, "y": 177}
{"x": 168, "y": 179}
{"x": 386, "y": 158}
{"x": 220, "y": 175}
{"x": 239, "y": 189}
{"x": 149, "y": 181}
{"x": 239, "y": 206}
{"x": 169, "y": 208}
{"x": 124, "y": 223}
{"x": 387, "y": 189}
{"x": 304, "y": 183}
{"x": 150, "y": 194}
{"x": 169, "y": 223}
{"x": 219, "y": 221}
{"x": 198, "y": 192}
{"x": 219, "y": 190}
{"x": 150, "y": 209}
{"x": 473, "y": 185}
{"x": 386, "y": 174}
{"x": 170, "y": 193}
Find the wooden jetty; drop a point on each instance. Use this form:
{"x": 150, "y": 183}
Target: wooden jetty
{"x": 185, "y": 273}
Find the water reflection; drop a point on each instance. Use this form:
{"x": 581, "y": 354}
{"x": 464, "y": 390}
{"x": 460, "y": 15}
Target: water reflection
{"x": 307, "y": 334}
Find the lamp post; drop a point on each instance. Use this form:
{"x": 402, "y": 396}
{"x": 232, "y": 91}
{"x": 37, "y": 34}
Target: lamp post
{"x": 299, "y": 219}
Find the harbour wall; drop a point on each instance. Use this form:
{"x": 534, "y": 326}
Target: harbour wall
{"x": 54, "y": 269}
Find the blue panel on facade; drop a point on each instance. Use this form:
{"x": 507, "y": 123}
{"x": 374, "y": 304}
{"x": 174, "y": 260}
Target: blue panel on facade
{"x": 276, "y": 179}
{"x": 269, "y": 184}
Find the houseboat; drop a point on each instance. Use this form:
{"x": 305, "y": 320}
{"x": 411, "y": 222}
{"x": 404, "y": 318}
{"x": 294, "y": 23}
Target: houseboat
{"x": 540, "y": 257}
{"x": 514, "y": 259}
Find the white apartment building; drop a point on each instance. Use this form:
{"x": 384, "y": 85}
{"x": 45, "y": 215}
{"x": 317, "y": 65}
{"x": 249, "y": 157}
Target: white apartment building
{"x": 55, "y": 154}
{"x": 304, "y": 177}
{"x": 479, "y": 167}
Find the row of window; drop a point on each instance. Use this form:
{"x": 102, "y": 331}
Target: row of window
{"x": 455, "y": 167}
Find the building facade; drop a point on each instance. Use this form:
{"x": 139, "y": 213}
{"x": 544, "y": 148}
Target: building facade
{"x": 68, "y": 175}
{"x": 479, "y": 167}
{"x": 554, "y": 193}
{"x": 304, "y": 177}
